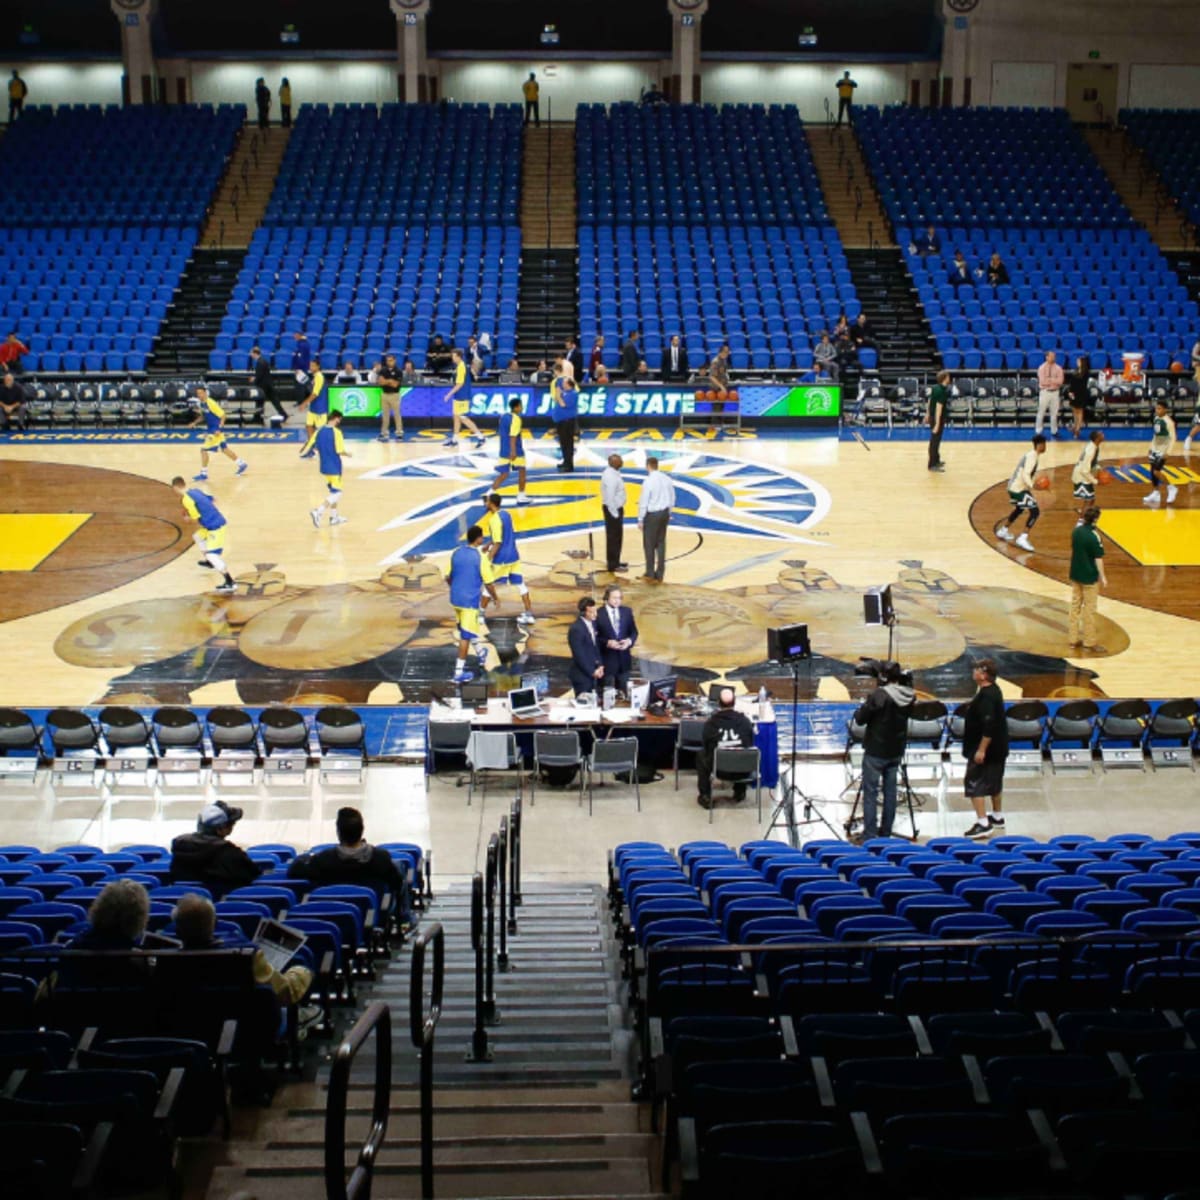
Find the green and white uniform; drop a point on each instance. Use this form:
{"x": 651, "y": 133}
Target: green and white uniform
{"x": 1020, "y": 486}
{"x": 1083, "y": 476}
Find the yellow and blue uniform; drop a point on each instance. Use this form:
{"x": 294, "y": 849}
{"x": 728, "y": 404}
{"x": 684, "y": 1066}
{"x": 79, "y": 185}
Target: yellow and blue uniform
{"x": 512, "y": 448}
{"x": 214, "y": 417}
{"x": 329, "y": 446}
{"x": 201, "y": 507}
{"x": 467, "y": 573}
{"x": 318, "y": 410}
{"x": 461, "y": 403}
{"x": 506, "y": 563}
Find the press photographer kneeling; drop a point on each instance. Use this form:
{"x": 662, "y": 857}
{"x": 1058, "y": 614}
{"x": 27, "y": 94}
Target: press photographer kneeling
{"x": 884, "y": 717}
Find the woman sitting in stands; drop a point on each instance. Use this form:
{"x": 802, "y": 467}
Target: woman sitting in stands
{"x": 116, "y": 919}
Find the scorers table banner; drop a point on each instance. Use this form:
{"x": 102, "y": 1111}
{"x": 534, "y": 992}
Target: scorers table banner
{"x": 803, "y": 404}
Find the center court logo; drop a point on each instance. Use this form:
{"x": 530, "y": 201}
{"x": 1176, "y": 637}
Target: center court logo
{"x": 714, "y": 493}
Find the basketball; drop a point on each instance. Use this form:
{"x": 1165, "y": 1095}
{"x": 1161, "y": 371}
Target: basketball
{"x": 1104, "y": 478}
{"x": 1177, "y": 368}
{"x": 1043, "y": 483}
{"x": 733, "y": 395}
{"x": 699, "y": 395}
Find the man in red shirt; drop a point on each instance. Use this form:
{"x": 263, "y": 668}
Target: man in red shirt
{"x": 11, "y": 350}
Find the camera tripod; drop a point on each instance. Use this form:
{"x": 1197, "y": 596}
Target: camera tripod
{"x": 783, "y": 816}
{"x": 904, "y": 792}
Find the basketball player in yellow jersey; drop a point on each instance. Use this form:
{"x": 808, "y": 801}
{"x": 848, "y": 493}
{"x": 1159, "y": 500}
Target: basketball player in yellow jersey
{"x": 460, "y": 402}
{"x": 212, "y": 416}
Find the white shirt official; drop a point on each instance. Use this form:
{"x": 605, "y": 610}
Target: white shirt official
{"x": 657, "y": 495}
{"x": 612, "y": 490}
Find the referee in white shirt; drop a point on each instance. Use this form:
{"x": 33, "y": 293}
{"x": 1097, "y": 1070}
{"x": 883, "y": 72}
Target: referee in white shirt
{"x": 654, "y": 514}
{"x": 612, "y": 501}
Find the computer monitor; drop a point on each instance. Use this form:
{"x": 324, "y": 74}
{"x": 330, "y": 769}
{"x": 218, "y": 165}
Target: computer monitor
{"x": 539, "y": 681}
{"x": 715, "y": 690}
{"x": 522, "y": 700}
{"x": 662, "y": 690}
{"x": 474, "y": 692}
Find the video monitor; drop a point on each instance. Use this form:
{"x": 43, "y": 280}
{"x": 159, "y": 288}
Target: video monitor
{"x": 539, "y": 681}
{"x": 662, "y": 690}
{"x": 474, "y": 691}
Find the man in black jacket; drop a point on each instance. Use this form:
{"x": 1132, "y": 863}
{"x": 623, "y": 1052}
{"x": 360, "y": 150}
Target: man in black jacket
{"x": 587, "y": 664}
{"x": 209, "y": 857}
{"x": 985, "y": 747}
{"x": 675, "y": 361}
{"x": 884, "y": 715}
{"x": 726, "y": 728}
{"x": 266, "y": 384}
{"x": 631, "y": 356}
{"x": 354, "y": 860}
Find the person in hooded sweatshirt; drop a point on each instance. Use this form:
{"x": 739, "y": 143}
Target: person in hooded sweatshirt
{"x": 726, "y": 727}
{"x": 355, "y": 860}
{"x": 884, "y": 714}
{"x": 208, "y": 856}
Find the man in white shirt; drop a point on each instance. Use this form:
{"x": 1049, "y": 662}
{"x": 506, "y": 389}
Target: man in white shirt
{"x": 654, "y": 514}
{"x": 1050, "y": 381}
{"x": 612, "y": 501}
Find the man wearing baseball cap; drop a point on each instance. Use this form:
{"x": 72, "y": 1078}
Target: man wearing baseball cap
{"x": 208, "y": 856}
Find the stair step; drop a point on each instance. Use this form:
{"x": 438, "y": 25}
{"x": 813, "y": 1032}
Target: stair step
{"x": 461, "y": 1120}
{"x": 403, "y": 1153}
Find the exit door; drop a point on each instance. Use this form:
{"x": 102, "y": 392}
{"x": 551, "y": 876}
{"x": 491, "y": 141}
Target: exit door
{"x": 1092, "y": 92}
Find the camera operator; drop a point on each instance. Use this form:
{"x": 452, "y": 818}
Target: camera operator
{"x": 726, "y": 727}
{"x": 884, "y": 716}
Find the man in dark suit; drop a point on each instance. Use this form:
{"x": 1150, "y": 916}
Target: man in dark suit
{"x": 587, "y": 666}
{"x": 265, "y": 384}
{"x": 675, "y": 362}
{"x": 573, "y": 355}
{"x": 617, "y": 632}
{"x": 631, "y": 355}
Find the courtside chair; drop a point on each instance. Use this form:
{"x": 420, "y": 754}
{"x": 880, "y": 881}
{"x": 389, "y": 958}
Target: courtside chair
{"x": 737, "y": 765}
{"x": 446, "y": 737}
{"x": 688, "y": 740}
{"x": 489, "y": 751}
{"x": 555, "y": 748}
{"x": 612, "y": 757}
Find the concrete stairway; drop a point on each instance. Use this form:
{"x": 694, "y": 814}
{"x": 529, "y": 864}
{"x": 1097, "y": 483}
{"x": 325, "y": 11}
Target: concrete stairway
{"x": 246, "y": 188}
{"x": 548, "y": 1116}
{"x": 1140, "y": 187}
{"x": 548, "y": 185}
{"x": 849, "y": 190}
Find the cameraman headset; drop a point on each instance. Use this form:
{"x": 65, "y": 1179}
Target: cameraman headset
{"x": 884, "y": 717}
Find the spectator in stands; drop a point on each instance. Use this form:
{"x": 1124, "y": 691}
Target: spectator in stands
{"x": 927, "y": 243}
{"x": 474, "y": 356}
{"x": 408, "y": 375}
{"x": 512, "y": 372}
{"x": 17, "y": 91}
{"x": 725, "y": 728}
{"x": 719, "y": 378}
{"x": 531, "y": 92}
{"x": 597, "y": 357}
{"x": 437, "y": 356}
{"x": 825, "y": 357}
{"x": 13, "y": 411}
{"x": 208, "y": 856}
{"x": 1079, "y": 393}
{"x": 960, "y": 272}
{"x": 116, "y": 919}
{"x": 285, "y": 103}
{"x": 262, "y": 101}
{"x": 630, "y": 356}
{"x": 845, "y": 90}
{"x": 266, "y": 385}
{"x": 985, "y": 747}
{"x": 573, "y": 359}
{"x": 675, "y": 361}
{"x": 302, "y": 356}
{"x": 841, "y": 328}
{"x": 861, "y": 332}
{"x": 1050, "y": 381}
{"x": 195, "y": 921}
{"x": 348, "y": 374}
{"x": 541, "y": 373}
{"x": 600, "y": 375}
{"x": 389, "y": 384}
{"x": 996, "y": 271}
{"x": 355, "y": 860}
{"x": 11, "y": 350}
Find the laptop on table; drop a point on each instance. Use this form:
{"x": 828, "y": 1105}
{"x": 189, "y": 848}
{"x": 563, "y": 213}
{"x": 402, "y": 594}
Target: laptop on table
{"x": 523, "y": 702}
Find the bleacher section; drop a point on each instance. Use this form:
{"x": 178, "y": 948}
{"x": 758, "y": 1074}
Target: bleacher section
{"x": 712, "y": 224}
{"x": 386, "y": 226}
{"x": 1170, "y": 139}
{"x": 101, "y": 210}
{"x": 1026, "y": 1011}
{"x": 1022, "y": 182}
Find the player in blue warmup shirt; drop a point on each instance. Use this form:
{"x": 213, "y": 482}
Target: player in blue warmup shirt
{"x": 210, "y": 537}
{"x": 504, "y": 553}
{"x": 468, "y": 573}
{"x": 512, "y": 450}
{"x": 327, "y": 444}
{"x": 212, "y": 417}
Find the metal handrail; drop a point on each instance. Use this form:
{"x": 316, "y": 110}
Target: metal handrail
{"x": 422, "y": 1027}
{"x": 489, "y": 900}
{"x": 502, "y": 892}
{"x": 378, "y": 1020}
{"x": 514, "y": 870}
{"x": 479, "y": 1051}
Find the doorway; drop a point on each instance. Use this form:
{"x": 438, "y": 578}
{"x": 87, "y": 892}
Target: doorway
{"x": 1092, "y": 92}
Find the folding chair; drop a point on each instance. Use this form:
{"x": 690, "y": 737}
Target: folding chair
{"x": 612, "y": 757}
{"x": 492, "y": 751}
{"x": 737, "y": 764}
{"x": 555, "y": 748}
